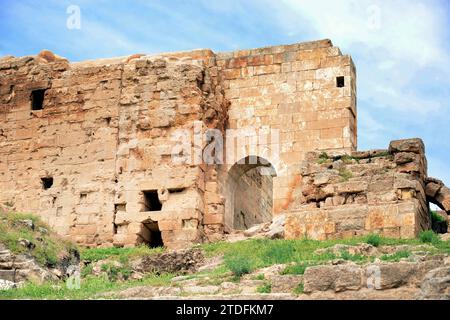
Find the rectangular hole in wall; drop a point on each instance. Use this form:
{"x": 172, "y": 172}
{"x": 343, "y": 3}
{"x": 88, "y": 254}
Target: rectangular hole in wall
{"x": 340, "y": 82}
{"x": 151, "y": 201}
{"x": 83, "y": 197}
{"x": 37, "y": 99}
{"x": 47, "y": 182}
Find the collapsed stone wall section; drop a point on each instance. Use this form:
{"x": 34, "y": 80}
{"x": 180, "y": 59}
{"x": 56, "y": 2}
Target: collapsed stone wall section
{"x": 344, "y": 195}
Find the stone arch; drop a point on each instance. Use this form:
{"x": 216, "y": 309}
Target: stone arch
{"x": 250, "y": 172}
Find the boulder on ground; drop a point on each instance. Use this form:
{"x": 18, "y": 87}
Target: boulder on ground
{"x": 436, "y": 285}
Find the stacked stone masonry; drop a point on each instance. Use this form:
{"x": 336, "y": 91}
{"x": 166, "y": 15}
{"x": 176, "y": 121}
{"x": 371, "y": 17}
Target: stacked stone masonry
{"x": 89, "y": 145}
{"x": 378, "y": 191}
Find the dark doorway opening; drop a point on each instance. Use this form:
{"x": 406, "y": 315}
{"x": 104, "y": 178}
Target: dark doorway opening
{"x": 151, "y": 235}
{"x": 250, "y": 193}
{"x": 151, "y": 201}
{"x": 37, "y": 99}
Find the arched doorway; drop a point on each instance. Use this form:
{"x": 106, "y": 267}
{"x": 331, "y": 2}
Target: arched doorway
{"x": 249, "y": 193}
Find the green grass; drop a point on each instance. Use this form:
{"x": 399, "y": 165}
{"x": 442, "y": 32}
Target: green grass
{"x": 396, "y": 256}
{"x": 49, "y": 248}
{"x": 119, "y": 254}
{"x": 253, "y": 254}
{"x": 429, "y": 237}
{"x": 266, "y": 287}
{"x": 260, "y": 277}
{"x": 239, "y": 258}
{"x": 353, "y": 257}
{"x": 299, "y": 289}
{"x": 115, "y": 272}
{"x": 238, "y": 265}
{"x": 323, "y": 158}
{"x": 436, "y": 217}
{"x": 374, "y": 240}
{"x": 90, "y": 287}
{"x": 297, "y": 268}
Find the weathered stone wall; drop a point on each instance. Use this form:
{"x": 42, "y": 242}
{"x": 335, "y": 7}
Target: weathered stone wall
{"x": 345, "y": 195}
{"x": 293, "y": 89}
{"x": 91, "y": 161}
{"x": 254, "y": 201}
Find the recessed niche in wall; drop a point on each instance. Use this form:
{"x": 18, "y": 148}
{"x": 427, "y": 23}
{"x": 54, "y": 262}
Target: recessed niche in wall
{"x": 340, "y": 82}
{"x": 83, "y": 197}
{"x": 151, "y": 201}
{"x": 47, "y": 182}
{"x": 37, "y": 99}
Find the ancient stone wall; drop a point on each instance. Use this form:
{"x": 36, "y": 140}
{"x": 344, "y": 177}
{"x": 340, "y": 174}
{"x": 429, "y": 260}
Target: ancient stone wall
{"x": 88, "y": 146}
{"x": 378, "y": 191}
{"x": 297, "y": 98}
{"x": 254, "y": 201}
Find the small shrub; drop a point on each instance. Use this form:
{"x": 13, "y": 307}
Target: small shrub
{"x": 87, "y": 270}
{"x": 323, "y": 158}
{"x": 429, "y": 237}
{"x": 260, "y": 277}
{"x": 298, "y": 268}
{"x": 115, "y": 272}
{"x": 351, "y": 257}
{"x": 238, "y": 265}
{"x": 396, "y": 256}
{"x": 345, "y": 174}
{"x": 299, "y": 289}
{"x": 266, "y": 287}
{"x": 374, "y": 240}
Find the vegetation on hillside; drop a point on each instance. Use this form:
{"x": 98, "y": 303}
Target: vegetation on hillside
{"x": 239, "y": 258}
{"x": 26, "y": 233}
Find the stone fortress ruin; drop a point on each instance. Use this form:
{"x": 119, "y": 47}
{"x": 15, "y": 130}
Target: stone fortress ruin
{"x": 112, "y": 151}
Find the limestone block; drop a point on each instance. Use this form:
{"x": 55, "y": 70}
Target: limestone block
{"x": 407, "y": 145}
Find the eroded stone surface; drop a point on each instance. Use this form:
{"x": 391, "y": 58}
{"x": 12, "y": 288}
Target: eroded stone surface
{"x": 382, "y": 192}
{"x": 90, "y": 158}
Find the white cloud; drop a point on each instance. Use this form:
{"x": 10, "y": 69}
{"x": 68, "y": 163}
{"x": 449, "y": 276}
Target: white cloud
{"x": 409, "y": 29}
{"x": 391, "y": 43}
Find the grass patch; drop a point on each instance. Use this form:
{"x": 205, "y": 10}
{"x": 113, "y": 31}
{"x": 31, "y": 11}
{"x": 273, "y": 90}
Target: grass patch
{"x": 238, "y": 265}
{"x": 436, "y": 217}
{"x": 323, "y": 158}
{"x": 396, "y": 256}
{"x": 299, "y": 289}
{"x": 254, "y": 254}
{"x": 374, "y": 240}
{"x": 298, "y": 268}
{"x": 119, "y": 254}
{"x": 260, "y": 277}
{"x": 90, "y": 287}
{"x": 353, "y": 257}
{"x": 48, "y": 248}
{"x": 429, "y": 236}
{"x": 266, "y": 287}
{"x": 115, "y": 272}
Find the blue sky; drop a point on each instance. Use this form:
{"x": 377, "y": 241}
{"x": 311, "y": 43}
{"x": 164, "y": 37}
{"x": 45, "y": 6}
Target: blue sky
{"x": 401, "y": 48}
